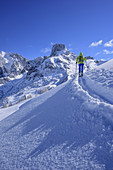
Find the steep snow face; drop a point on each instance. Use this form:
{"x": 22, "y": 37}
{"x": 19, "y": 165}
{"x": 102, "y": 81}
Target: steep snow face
{"x": 41, "y": 74}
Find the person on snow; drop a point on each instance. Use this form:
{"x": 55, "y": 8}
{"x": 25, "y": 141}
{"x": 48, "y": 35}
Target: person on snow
{"x": 80, "y": 60}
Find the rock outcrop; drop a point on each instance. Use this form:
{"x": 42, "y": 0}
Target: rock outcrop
{"x": 58, "y": 49}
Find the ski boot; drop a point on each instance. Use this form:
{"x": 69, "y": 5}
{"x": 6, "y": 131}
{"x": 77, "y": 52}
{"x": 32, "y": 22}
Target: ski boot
{"x": 81, "y": 74}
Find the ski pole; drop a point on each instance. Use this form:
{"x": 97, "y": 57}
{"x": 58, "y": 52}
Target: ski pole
{"x": 76, "y": 67}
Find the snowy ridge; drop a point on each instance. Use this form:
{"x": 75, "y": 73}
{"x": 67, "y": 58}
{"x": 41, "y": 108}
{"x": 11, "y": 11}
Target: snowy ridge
{"x": 107, "y": 65}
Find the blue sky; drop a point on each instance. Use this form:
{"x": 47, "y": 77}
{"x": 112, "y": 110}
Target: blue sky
{"x": 30, "y": 27}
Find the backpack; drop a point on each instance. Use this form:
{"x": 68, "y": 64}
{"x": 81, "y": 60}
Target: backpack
{"x": 81, "y": 59}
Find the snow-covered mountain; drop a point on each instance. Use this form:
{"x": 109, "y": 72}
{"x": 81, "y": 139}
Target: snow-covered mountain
{"x": 22, "y": 78}
{"x": 68, "y": 127}
{"x": 11, "y": 65}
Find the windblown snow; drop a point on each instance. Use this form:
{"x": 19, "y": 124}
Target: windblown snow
{"x": 68, "y": 127}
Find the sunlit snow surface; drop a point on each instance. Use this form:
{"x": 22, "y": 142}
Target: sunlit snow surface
{"x": 68, "y": 127}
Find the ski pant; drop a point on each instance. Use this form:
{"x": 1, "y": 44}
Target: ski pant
{"x": 81, "y": 67}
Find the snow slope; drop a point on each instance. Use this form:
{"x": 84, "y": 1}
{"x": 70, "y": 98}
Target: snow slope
{"x": 102, "y": 76}
{"x": 5, "y": 112}
{"x": 68, "y": 127}
{"x": 107, "y": 65}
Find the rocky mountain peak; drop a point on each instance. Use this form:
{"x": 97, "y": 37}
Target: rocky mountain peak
{"x": 58, "y": 49}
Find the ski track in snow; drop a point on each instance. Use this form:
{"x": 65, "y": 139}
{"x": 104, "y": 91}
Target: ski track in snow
{"x": 96, "y": 101}
{"x": 66, "y": 128}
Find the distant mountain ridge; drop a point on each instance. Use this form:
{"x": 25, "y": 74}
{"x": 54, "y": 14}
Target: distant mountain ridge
{"x": 11, "y": 65}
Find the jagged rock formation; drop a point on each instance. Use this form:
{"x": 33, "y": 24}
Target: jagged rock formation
{"x": 58, "y": 49}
